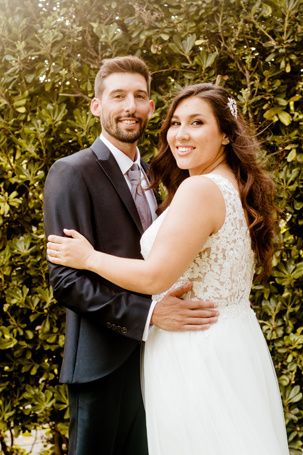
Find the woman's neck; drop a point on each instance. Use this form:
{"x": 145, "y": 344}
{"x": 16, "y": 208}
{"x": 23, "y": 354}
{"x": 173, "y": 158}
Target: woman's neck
{"x": 218, "y": 164}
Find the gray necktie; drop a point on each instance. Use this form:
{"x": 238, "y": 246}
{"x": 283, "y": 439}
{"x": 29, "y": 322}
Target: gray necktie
{"x": 138, "y": 194}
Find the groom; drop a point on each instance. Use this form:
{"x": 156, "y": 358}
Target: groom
{"x": 91, "y": 191}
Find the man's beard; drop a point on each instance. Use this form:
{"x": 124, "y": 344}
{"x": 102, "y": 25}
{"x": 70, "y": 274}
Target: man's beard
{"x": 129, "y": 137}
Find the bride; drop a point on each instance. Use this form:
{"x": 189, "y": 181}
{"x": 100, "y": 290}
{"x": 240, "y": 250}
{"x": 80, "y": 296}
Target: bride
{"x": 210, "y": 392}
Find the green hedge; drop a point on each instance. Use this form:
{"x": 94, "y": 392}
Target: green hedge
{"x": 49, "y": 54}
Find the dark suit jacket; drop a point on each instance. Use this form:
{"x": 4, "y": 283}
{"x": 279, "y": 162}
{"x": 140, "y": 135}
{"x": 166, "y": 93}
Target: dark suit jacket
{"x": 87, "y": 192}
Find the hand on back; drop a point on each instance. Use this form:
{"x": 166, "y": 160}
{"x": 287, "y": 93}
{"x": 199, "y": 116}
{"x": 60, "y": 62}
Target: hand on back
{"x": 173, "y": 313}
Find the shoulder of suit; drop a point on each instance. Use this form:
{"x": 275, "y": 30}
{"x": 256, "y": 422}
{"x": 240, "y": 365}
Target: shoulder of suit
{"x": 77, "y": 159}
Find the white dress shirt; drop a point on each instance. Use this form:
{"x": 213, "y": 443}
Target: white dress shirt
{"x": 125, "y": 163}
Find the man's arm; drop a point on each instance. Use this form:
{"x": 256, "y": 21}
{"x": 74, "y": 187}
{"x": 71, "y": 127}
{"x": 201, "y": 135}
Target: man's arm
{"x": 67, "y": 202}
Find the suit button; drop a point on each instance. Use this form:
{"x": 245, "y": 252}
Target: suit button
{"x": 109, "y": 325}
{"x": 124, "y": 330}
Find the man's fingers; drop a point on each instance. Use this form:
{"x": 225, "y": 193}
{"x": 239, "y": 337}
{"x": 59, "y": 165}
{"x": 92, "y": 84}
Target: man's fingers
{"x": 200, "y": 314}
{"x": 200, "y": 304}
{"x": 179, "y": 291}
{"x": 175, "y": 314}
{"x": 199, "y": 321}
{"x": 194, "y": 308}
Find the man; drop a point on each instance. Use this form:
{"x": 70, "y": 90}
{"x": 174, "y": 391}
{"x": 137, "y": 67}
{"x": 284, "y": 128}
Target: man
{"x": 91, "y": 191}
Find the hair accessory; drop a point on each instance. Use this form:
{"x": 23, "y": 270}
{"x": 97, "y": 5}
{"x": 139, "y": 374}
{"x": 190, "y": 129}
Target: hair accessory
{"x": 233, "y": 107}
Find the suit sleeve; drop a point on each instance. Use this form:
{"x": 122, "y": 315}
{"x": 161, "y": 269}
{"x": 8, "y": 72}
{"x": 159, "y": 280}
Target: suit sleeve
{"x": 67, "y": 204}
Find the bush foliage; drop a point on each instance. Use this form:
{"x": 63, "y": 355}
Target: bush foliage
{"x": 50, "y": 52}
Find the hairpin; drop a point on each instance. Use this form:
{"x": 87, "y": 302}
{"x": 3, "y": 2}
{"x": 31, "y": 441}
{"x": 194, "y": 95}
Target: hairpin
{"x": 232, "y": 107}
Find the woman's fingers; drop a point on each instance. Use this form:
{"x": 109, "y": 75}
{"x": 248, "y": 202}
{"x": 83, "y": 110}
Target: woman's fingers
{"x": 56, "y": 246}
{"x": 72, "y": 233}
{"x": 50, "y": 252}
{"x": 51, "y": 246}
{"x": 54, "y": 260}
{"x": 55, "y": 250}
{"x": 55, "y": 239}
{"x": 69, "y": 251}
{"x": 56, "y": 254}
{"x": 60, "y": 239}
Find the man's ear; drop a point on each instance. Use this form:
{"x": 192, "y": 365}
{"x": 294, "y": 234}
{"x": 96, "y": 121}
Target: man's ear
{"x": 95, "y": 107}
{"x": 151, "y": 108}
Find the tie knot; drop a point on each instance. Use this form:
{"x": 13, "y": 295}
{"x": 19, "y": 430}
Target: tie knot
{"x": 134, "y": 174}
{"x": 134, "y": 167}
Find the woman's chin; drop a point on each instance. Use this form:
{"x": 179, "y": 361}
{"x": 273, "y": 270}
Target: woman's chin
{"x": 182, "y": 166}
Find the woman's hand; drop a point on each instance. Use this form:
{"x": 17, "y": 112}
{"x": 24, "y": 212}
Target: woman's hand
{"x": 72, "y": 252}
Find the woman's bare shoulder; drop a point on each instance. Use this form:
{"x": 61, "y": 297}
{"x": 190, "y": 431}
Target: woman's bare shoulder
{"x": 200, "y": 186}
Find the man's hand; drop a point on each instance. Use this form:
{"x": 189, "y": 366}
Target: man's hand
{"x": 175, "y": 314}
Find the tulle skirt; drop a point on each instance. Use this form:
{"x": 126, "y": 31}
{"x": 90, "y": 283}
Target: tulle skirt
{"x": 213, "y": 392}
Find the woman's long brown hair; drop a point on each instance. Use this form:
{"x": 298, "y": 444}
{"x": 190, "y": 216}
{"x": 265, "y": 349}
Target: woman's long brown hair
{"x": 256, "y": 187}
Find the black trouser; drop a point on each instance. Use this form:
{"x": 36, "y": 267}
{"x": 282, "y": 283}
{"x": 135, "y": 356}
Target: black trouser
{"x": 107, "y": 416}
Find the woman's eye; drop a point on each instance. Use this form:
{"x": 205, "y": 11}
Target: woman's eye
{"x": 174, "y": 123}
{"x": 197, "y": 122}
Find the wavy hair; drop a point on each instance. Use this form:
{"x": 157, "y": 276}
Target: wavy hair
{"x": 257, "y": 190}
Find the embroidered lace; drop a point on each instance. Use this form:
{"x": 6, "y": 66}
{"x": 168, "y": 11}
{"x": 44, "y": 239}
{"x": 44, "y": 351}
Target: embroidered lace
{"x": 222, "y": 272}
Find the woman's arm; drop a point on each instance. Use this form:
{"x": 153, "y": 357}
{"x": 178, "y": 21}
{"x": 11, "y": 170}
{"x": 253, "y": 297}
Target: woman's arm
{"x": 197, "y": 211}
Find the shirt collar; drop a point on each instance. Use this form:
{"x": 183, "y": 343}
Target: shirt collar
{"x": 124, "y": 162}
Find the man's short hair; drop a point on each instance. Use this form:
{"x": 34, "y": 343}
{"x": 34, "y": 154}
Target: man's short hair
{"x": 126, "y": 64}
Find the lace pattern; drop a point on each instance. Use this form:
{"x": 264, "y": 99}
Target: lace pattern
{"x": 223, "y": 270}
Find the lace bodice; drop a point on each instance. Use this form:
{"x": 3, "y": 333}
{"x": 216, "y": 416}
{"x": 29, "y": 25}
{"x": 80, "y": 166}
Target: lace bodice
{"x": 222, "y": 272}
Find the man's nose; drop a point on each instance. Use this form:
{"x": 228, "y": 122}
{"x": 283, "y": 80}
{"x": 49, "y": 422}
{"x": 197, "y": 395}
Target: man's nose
{"x": 130, "y": 104}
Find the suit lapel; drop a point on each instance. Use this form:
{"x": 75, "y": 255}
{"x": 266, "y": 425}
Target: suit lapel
{"x": 111, "y": 169}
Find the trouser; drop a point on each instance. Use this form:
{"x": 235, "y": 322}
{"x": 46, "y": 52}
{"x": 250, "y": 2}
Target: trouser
{"x": 107, "y": 416}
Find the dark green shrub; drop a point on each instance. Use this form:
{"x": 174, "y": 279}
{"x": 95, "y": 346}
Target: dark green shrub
{"x": 50, "y": 52}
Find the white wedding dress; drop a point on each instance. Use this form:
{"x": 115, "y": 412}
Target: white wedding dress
{"x": 214, "y": 392}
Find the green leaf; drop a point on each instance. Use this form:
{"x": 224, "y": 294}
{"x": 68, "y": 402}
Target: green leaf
{"x": 271, "y": 113}
{"x": 284, "y": 117}
{"x": 292, "y": 155}
{"x": 21, "y": 109}
{"x": 188, "y": 43}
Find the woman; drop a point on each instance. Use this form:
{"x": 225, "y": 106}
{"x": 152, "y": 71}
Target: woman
{"x": 208, "y": 392}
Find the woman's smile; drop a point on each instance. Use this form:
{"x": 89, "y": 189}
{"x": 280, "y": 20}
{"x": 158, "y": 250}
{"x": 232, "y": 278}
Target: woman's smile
{"x": 184, "y": 149}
